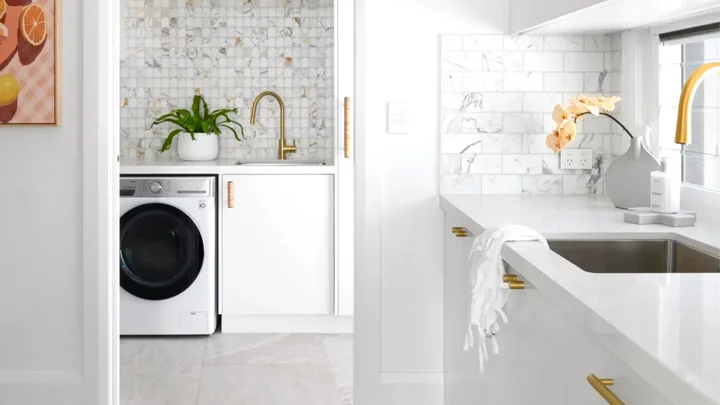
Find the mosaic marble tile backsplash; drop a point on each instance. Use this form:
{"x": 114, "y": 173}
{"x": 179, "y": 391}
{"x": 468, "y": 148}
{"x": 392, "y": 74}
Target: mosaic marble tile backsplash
{"x": 498, "y": 93}
{"x": 230, "y": 51}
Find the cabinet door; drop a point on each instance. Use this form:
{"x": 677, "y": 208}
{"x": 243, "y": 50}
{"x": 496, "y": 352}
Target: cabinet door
{"x": 278, "y": 245}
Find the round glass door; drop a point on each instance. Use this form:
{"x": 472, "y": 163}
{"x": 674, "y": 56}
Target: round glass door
{"x": 161, "y": 251}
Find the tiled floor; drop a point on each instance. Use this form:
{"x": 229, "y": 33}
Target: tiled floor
{"x": 237, "y": 369}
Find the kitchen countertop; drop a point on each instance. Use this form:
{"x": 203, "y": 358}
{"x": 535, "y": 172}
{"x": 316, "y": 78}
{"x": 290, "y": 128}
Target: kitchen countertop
{"x": 666, "y": 327}
{"x": 218, "y": 167}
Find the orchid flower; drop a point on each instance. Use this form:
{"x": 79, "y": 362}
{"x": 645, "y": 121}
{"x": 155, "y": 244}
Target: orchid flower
{"x": 565, "y": 118}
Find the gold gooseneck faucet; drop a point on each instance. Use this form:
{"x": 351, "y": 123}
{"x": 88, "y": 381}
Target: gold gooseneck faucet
{"x": 686, "y": 98}
{"x": 283, "y": 147}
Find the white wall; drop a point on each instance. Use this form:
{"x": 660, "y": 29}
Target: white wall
{"x": 41, "y": 233}
{"x": 398, "y": 59}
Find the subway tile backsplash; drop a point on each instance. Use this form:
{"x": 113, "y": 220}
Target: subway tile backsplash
{"x": 230, "y": 51}
{"x": 498, "y": 93}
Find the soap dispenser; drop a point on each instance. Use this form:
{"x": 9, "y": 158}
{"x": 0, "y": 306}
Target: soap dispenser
{"x": 665, "y": 189}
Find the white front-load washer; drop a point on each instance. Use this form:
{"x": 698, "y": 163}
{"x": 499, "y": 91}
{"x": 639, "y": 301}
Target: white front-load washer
{"x": 167, "y": 256}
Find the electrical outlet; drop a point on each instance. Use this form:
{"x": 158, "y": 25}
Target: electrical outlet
{"x": 576, "y": 159}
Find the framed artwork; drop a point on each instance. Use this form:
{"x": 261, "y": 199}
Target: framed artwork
{"x": 30, "y": 62}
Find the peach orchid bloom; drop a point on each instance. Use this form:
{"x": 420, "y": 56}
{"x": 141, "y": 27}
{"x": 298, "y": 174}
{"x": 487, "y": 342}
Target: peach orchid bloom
{"x": 568, "y": 131}
{"x": 556, "y": 142}
{"x": 608, "y": 104}
{"x": 583, "y": 105}
{"x": 560, "y": 115}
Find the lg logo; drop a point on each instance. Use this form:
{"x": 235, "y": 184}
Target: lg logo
{"x": 202, "y": 205}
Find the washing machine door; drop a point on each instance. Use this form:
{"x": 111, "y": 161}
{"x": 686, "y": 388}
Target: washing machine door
{"x": 161, "y": 251}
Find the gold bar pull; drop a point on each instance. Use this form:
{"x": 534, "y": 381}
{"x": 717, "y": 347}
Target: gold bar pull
{"x": 601, "y": 386}
{"x": 459, "y": 232}
{"x": 347, "y": 127}
{"x": 231, "y": 194}
{"x": 510, "y": 277}
{"x": 516, "y": 285}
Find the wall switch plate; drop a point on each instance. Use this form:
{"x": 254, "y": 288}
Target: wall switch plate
{"x": 580, "y": 159}
{"x": 398, "y": 120}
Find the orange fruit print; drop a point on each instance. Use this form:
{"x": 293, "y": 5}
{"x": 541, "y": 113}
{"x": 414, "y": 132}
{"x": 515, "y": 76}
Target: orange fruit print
{"x": 33, "y": 24}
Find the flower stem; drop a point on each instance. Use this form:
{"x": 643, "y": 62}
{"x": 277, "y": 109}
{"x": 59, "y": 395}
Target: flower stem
{"x": 612, "y": 118}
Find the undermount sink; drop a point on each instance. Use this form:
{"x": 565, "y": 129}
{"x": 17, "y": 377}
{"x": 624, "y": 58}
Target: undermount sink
{"x": 635, "y": 256}
{"x": 281, "y": 163}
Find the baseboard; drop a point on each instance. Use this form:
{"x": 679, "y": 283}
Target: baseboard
{"x": 286, "y": 324}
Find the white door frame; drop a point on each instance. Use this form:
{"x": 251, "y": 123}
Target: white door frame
{"x": 100, "y": 142}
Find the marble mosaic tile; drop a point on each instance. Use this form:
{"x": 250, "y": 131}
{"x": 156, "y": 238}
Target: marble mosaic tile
{"x": 229, "y": 51}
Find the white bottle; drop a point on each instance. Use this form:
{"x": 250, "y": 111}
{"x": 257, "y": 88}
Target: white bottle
{"x": 665, "y": 190}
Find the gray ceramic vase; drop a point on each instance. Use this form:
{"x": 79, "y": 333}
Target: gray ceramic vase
{"x": 627, "y": 181}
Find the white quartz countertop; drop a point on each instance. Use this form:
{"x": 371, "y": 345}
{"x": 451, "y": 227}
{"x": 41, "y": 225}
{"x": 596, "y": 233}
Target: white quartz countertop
{"x": 666, "y": 327}
{"x": 218, "y": 167}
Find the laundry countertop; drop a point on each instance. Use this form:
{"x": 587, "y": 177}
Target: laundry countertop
{"x": 664, "y": 326}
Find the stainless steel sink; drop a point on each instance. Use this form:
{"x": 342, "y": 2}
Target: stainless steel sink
{"x": 635, "y": 256}
{"x": 281, "y": 163}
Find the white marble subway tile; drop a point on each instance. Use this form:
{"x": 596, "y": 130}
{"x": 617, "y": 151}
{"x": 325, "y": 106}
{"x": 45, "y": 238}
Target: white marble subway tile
{"x": 502, "y": 143}
{"x": 524, "y": 43}
{"x": 593, "y": 124}
{"x": 551, "y": 165}
{"x": 483, "y": 42}
{"x": 584, "y": 61}
{"x": 522, "y": 164}
{"x": 535, "y": 144}
{"x": 523, "y": 81}
{"x": 522, "y": 123}
{"x": 454, "y": 61}
{"x": 576, "y": 184}
{"x": 482, "y": 123}
{"x": 502, "y": 102}
{"x": 484, "y": 81}
{"x": 467, "y": 102}
{"x": 501, "y": 185}
{"x": 596, "y": 83}
{"x": 543, "y": 62}
{"x": 461, "y": 184}
{"x": 613, "y": 61}
{"x": 481, "y": 164}
{"x": 555, "y": 82}
{"x": 452, "y": 43}
{"x": 462, "y": 143}
{"x": 452, "y": 122}
{"x": 564, "y": 43}
{"x": 502, "y": 61}
{"x": 541, "y": 102}
{"x": 451, "y": 82}
{"x": 542, "y": 185}
{"x": 451, "y": 164}
{"x": 615, "y": 82}
{"x": 588, "y": 141}
{"x": 597, "y": 43}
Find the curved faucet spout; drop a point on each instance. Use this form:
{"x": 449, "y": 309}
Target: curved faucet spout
{"x": 283, "y": 147}
{"x": 682, "y": 131}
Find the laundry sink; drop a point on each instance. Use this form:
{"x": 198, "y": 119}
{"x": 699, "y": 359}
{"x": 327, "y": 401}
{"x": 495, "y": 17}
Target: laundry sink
{"x": 281, "y": 163}
{"x": 635, "y": 256}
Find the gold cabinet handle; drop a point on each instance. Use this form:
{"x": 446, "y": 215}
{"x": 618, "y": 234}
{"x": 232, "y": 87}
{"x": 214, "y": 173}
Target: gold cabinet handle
{"x": 601, "y": 386}
{"x": 509, "y": 277}
{"x": 459, "y": 232}
{"x": 231, "y": 194}
{"x": 347, "y": 127}
{"x": 516, "y": 285}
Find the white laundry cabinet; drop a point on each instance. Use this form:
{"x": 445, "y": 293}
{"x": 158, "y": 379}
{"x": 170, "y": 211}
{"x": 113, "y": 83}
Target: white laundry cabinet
{"x": 544, "y": 359}
{"x": 277, "y": 254}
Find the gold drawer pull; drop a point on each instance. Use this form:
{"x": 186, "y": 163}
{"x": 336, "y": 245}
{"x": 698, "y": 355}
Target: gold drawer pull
{"x": 459, "y": 232}
{"x": 231, "y": 194}
{"x": 516, "y": 285}
{"x": 346, "y": 127}
{"x": 601, "y": 386}
{"x": 510, "y": 277}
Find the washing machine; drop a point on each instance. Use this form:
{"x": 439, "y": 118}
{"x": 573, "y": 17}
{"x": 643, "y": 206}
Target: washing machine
{"x": 167, "y": 256}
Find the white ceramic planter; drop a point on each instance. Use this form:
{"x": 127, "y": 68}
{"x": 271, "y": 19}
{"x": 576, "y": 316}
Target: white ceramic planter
{"x": 204, "y": 147}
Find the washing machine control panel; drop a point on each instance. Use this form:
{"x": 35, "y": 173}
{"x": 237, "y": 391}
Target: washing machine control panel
{"x": 191, "y": 187}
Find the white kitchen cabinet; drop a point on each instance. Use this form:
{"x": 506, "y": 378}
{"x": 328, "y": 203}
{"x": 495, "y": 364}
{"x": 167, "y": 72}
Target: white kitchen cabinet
{"x": 598, "y": 16}
{"x": 277, "y": 253}
{"x": 544, "y": 358}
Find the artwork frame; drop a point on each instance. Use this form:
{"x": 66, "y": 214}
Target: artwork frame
{"x": 49, "y": 99}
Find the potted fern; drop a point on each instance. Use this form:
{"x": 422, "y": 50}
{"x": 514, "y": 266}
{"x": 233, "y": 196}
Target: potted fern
{"x": 198, "y": 129}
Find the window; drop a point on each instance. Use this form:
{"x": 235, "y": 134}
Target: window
{"x": 680, "y": 54}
